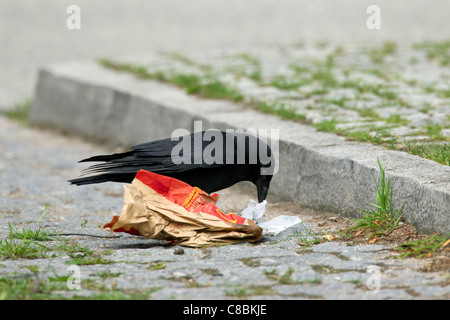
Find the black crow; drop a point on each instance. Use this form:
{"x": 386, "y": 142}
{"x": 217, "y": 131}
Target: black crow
{"x": 211, "y": 160}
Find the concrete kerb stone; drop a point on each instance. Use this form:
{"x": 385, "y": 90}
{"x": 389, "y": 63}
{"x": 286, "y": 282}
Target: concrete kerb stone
{"x": 317, "y": 169}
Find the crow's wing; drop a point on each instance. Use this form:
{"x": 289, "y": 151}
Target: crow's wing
{"x": 156, "y": 156}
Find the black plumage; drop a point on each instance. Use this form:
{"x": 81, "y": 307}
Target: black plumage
{"x": 211, "y": 160}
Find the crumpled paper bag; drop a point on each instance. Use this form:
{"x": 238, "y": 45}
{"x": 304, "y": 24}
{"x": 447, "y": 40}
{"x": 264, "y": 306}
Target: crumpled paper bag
{"x": 164, "y": 208}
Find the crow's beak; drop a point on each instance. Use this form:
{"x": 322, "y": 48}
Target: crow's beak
{"x": 262, "y": 186}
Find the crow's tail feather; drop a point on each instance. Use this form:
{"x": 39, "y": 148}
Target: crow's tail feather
{"x": 107, "y": 158}
{"x": 114, "y": 177}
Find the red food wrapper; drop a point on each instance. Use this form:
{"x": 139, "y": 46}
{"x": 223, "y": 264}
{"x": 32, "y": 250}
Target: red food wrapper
{"x": 164, "y": 208}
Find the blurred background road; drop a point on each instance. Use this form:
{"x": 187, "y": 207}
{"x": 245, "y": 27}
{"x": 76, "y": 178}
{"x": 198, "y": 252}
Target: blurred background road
{"x": 34, "y": 33}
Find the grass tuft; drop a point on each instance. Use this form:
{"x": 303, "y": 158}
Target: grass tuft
{"x": 438, "y": 51}
{"x": 20, "y": 111}
{"x": 11, "y": 249}
{"x": 29, "y": 234}
{"x": 326, "y": 125}
{"x": 281, "y": 110}
{"x": 204, "y": 86}
{"x": 383, "y": 218}
{"x": 439, "y": 152}
{"x": 378, "y": 54}
{"x": 219, "y": 90}
{"x": 396, "y": 119}
{"x": 423, "y": 247}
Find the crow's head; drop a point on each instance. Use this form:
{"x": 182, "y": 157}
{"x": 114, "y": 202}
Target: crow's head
{"x": 266, "y": 168}
{"x": 262, "y": 185}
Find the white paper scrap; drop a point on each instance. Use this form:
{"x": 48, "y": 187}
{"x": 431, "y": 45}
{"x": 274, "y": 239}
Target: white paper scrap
{"x": 278, "y": 224}
{"x": 254, "y": 210}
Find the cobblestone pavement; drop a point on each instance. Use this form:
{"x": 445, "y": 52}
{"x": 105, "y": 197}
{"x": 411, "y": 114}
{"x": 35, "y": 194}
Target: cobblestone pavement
{"x": 34, "y": 167}
{"x": 385, "y": 94}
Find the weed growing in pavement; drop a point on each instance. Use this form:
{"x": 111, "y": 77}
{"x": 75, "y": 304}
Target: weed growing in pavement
{"x": 156, "y": 266}
{"x": 190, "y": 82}
{"x": 326, "y": 125}
{"x": 434, "y": 131}
{"x": 23, "y": 244}
{"x": 286, "y": 277}
{"x": 253, "y": 71}
{"x": 11, "y": 249}
{"x": 26, "y": 243}
{"x": 29, "y": 287}
{"x": 20, "y": 111}
{"x": 281, "y": 110}
{"x": 397, "y": 119}
{"x": 107, "y": 274}
{"x": 360, "y": 136}
{"x": 176, "y": 56}
{"x": 89, "y": 260}
{"x": 215, "y": 89}
{"x": 444, "y": 93}
{"x": 378, "y": 54}
{"x": 439, "y": 51}
{"x": 43, "y": 212}
{"x": 378, "y": 137}
{"x": 439, "y": 152}
{"x": 236, "y": 291}
{"x": 383, "y": 218}
{"x": 325, "y": 77}
{"x": 30, "y": 234}
{"x": 307, "y": 239}
{"x": 73, "y": 249}
{"x": 81, "y": 255}
{"x": 84, "y": 224}
{"x": 289, "y": 113}
{"x": 424, "y": 247}
{"x": 281, "y": 82}
{"x": 33, "y": 287}
{"x": 207, "y": 86}
{"x": 368, "y": 113}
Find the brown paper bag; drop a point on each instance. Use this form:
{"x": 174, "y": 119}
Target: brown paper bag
{"x": 164, "y": 208}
